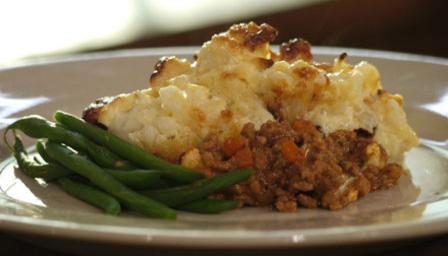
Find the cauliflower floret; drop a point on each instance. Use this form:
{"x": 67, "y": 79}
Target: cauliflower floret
{"x": 150, "y": 120}
{"x": 346, "y": 97}
{"x": 237, "y": 79}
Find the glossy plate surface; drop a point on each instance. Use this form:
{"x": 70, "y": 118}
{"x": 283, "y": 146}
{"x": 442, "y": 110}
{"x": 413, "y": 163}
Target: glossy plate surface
{"x": 417, "y": 207}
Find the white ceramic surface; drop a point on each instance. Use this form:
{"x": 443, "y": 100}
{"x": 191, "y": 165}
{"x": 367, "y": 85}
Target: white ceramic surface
{"x": 417, "y": 207}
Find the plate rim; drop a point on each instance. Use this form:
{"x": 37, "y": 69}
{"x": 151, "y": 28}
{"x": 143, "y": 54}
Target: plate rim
{"x": 289, "y": 239}
{"x": 368, "y": 234}
{"x": 154, "y": 51}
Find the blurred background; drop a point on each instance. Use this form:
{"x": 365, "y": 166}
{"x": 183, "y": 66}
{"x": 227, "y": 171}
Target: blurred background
{"x": 40, "y": 29}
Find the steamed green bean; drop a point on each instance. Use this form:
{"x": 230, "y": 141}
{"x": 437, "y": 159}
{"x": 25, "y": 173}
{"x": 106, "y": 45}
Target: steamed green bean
{"x": 90, "y": 195}
{"x": 86, "y": 168}
{"x": 188, "y": 193}
{"x": 38, "y": 127}
{"x": 127, "y": 150}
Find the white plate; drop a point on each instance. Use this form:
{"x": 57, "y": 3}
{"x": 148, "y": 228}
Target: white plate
{"x": 417, "y": 207}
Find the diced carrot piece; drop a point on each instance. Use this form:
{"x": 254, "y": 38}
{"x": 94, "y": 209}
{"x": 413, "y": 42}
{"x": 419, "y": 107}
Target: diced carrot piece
{"x": 289, "y": 150}
{"x": 302, "y": 126}
{"x": 243, "y": 158}
{"x": 232, "y": 145}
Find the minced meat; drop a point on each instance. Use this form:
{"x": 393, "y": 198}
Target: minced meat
{"x": 298, "y": 166}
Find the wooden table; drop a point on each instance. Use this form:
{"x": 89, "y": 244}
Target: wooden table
{"x": 437, "y": 246}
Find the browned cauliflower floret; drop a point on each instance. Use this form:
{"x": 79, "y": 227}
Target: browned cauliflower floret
{"x": 237, "y": 79}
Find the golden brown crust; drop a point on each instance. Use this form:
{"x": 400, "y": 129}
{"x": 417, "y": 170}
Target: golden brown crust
{"x": 91, "y": 113}
{"x": 342, "y": 56}
{"x": 159, "y": 67}
{"x": 296, "y": 49}
{"x": 226, "y": 115}
{"x": 167, "y": 67}
{"x": 306, "y": 73}
{"x": 265, "y": 63}
{"x": 251, "y": 35}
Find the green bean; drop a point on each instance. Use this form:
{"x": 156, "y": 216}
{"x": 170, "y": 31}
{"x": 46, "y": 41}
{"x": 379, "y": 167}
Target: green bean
{"x": 54, "y": 172}
{"x": 159, "y": 184}
{"x": 40, "y": 148}
{"x": 38, "y": 160}
{"x": 95, "y": 174}
{"x": 136, "y": 179}
{"x": 127, "y": 150}
{"x": 209, "y": 206}
{"x": 90, "y": 195}
{"x": 32, "y": 169}
{"x": 38, "y": 127}
{"x": 185, "y": 194}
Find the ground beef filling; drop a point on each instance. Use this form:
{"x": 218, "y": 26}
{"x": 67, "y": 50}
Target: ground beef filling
{"x": 298, "y": 166}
